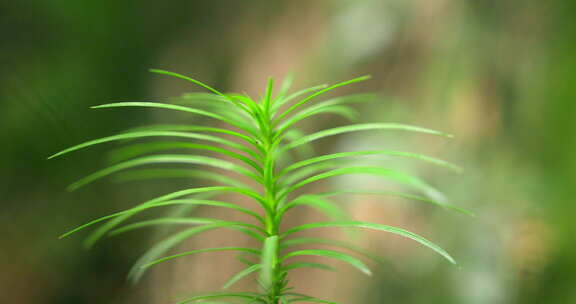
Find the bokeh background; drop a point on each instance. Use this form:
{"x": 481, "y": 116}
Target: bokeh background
{"x": 500, "y": 75}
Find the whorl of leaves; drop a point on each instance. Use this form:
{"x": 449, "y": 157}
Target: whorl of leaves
{"x": 262, "y": 144}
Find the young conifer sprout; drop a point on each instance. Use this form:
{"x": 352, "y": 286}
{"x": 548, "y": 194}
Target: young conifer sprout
{"x": 265, "y": 146}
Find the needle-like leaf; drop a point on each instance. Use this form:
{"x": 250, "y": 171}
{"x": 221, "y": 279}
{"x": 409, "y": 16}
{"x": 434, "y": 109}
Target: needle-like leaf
{"x": 145, "y": 174}
{"x": 312, "y": 96}
{"x": 331, "y": 210}
{"x": 134, "y": 150}
{"x": 340, "y": 155}
{"x": 314, "y": 265}
{"x": 390, "y": 174}
{"x": 373, "y": 226}
{"x": 116, "y": 219}
{"x": 360, "y": 127}
{"x": 356, "y": 263}
{"x": 234, "y": 123}
{"x": 163, "y": 159}
{"x": 334, "y": 243}
{"x": 191, "y": 252}
{"x": 418, "y": 198}
{"x": 217, "y": 295}
{"x": 323, "y": 107}
{"x": 242, "y": 274}
{"x": 143, "y": 134}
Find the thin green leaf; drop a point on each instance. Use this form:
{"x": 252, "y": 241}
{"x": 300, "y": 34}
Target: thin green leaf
{"x": 219, "y": 105}
{"x": 250, "y": 230}
{"x": 312, "y": 96}
{"x": 159, "y": 249}
{"x": 308, "y": 299}
{"x": 341, "y": 244}
{"x": 240, "y": 113}
{"x": 180, "y": 211}
{"x": 162, "y": 159}
{"x": 143, "y": 207}
{"x": 308, "y": 171}
{"x": 144, "y": 174}
{"x": 167, "y": 106}
{"x": 143, "y": 134}
{"x": 322, "y": 158}
{"x": 203, "y": 97}
{"x": 163, "y": 220}
{"x": 326, "y": 107}
{"x": 356, "y": 263}
{"x": 443, "y": 204}
{"x": 302, "y": 151}
{"x": 376, "y": 171}
{"x": 297, "y": 94}
{"x": 297, "y": 265}
{"x": 241, "y": 257}
{"x": 343, "y": 111}
{"x": 360, "y": 127}
{"x": 191, "y": 252}
{"x": 193, "y": 128}
{"x": 144, "y": 148}
{"x": 373, "y": 226}
{"x": 117, "y": 219}
{"x": 242, "y": 274}
{"x": 252, "y": 108}
{"x": 216, "y": 295}
{"x": 331, "y": 210}
{"x": 305, "y": 298}
{"x": 268, "y": 98}
{"x": 197, "y": 82}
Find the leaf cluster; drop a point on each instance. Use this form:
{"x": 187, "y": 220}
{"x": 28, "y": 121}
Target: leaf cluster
{"x": 256, "y": 141}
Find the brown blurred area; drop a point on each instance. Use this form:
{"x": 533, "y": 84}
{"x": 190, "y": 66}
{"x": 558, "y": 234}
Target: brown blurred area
{"x": 499, "y": 75}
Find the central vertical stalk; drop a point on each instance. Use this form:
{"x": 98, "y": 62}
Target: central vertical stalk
{"x": 271, "y": 267}
{"x": 271, "y": 246}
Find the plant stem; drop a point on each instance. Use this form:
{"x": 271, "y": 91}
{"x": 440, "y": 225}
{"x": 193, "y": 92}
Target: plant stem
{"x": 275, "y": 281}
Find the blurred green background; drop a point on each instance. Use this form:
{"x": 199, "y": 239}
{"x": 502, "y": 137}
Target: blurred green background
{"x": 500, "y": 75}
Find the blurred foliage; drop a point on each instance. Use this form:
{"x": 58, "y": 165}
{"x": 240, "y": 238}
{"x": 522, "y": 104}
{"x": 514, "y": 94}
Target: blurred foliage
{"x": 498, "y": 74}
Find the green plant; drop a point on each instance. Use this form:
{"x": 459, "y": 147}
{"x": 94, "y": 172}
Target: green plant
{"x": 261, "y": 140}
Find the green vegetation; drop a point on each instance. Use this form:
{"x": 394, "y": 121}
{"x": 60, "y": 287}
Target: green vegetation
{"x": 258, "y": 152}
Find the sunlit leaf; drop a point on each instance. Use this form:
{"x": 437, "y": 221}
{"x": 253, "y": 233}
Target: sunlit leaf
{"x": 134, "y": 150}
{"x": 356, "y": 263}
{"x": 418, "y": 198}
{"x": 360, "y": 127}
{"x": 162, "y": 247}
{"x": 326, "y": 106}
{"x": 185, "y": 109}
{"x": 297, "y": 265}
{"x": 143, "y": 134}
{"x": 331, "y": 210}
{"x": 242, "y": 274}
{"x": 146, "y": 174}
{"x": 341, "y": 244}
{"x": 373, "y": 226}
{"x": 297, "y": 94}
{"x": 116, "y": 219}
{"x": 322, "y": 158}
{"x": 314, "y": 95}
{"x": 163, "y": 159}
{"x": 389, "y": 174}
{"x": 217, "y": 295}
{"x": 184, "y": 220}
{"x": 191, "y": 252}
